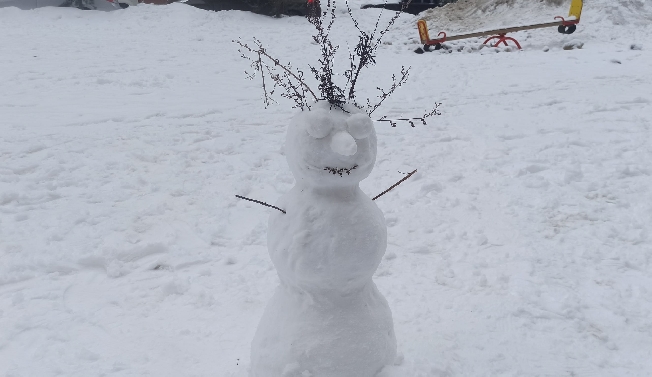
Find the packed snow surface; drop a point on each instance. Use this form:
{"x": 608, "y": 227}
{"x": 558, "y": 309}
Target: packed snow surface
{"x": 521, "y": 247}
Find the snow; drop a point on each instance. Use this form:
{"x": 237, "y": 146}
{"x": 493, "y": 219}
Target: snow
{"x": 321, "y": 125}
{"x": 520, "y": 248}
{"x": 344, "y": 144}
{"x": 359, "y": 126}
{"x": 103, "y": 5}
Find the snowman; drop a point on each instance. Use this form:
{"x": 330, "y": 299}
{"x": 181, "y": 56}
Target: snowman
{"x": 326, "y": 318}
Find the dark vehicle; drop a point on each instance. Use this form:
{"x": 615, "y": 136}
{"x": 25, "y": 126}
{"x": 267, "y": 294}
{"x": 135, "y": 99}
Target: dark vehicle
{"x": 414, "y": 7}
{"x": 266, "y": 7}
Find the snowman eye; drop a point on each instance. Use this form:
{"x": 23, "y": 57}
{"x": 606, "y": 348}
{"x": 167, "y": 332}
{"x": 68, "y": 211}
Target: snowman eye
{"x": 360, "y": 126}
{"x": 319, "y": 125}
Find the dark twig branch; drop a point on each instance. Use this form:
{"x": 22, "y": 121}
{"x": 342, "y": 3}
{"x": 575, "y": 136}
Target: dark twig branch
{"x": 396, "y": 83}
{"x": 364, "y": 53}
{"x": 324, "y": 74}
{"x": 259, "y": 202}
{"x": 293, "y": 82}
{"x": 435, "y": 111}
{"x": 395, "y": 184}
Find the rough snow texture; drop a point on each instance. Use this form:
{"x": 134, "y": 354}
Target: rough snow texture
{"x": 32, "y": 4}
{"x": 327, "y": 317}
{"x": 521, "y": 247}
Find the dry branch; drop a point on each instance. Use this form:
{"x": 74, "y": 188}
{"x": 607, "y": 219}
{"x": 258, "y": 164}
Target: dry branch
{"x": 293, "y": 82}
{"x": 259, "y": 202}
{"x": 394, "y": 122}
{"x": 394, "y": 185}
{"x": 364, "y": 53}
{"x": 384, "y": 95}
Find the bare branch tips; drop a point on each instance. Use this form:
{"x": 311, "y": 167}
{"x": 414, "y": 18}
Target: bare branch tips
{"x": 396, "y": 83}
{"x": 324, "y": 73}
{"x": 394, "y": 121}
{"x": 364, "y": 53}
{"x": 282, "y": 75}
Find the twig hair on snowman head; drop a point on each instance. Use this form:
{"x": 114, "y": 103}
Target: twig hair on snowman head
{"x": 292, "y": 81}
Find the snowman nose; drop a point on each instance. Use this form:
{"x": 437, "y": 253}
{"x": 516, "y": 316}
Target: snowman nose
{"x": 343, "y": 143}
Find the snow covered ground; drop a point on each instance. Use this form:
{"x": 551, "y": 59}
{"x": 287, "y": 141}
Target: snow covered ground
{"x": 522, "y": 247}
{"x": 33, "y": 4}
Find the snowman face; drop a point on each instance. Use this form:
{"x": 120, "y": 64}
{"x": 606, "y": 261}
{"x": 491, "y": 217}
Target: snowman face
{"x": 329, "y": 147}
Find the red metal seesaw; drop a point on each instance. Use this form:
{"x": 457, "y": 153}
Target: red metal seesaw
{"x": 564, "y": 26}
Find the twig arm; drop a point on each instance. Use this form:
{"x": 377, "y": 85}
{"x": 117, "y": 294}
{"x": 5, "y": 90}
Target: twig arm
{"x": 259, "y": 202}
{"x": 394, "y": 185}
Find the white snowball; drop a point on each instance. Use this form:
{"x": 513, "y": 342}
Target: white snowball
{"x": 360, "y": 125}
{"x": 319, "y": 123}
{"x": 343, "y": 143}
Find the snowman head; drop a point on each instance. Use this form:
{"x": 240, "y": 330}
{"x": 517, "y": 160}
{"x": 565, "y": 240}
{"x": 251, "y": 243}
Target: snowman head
{"x": 328, "y": 146}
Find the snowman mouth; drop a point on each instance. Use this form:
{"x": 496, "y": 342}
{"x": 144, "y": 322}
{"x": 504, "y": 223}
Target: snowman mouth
{"x": 340, "y": 171}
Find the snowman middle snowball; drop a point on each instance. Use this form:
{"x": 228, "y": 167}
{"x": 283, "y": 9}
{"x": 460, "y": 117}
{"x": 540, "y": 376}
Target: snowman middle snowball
{"x": 327, "y": 318}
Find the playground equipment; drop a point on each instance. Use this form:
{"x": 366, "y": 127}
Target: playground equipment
{"x": 564, "y": 26}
